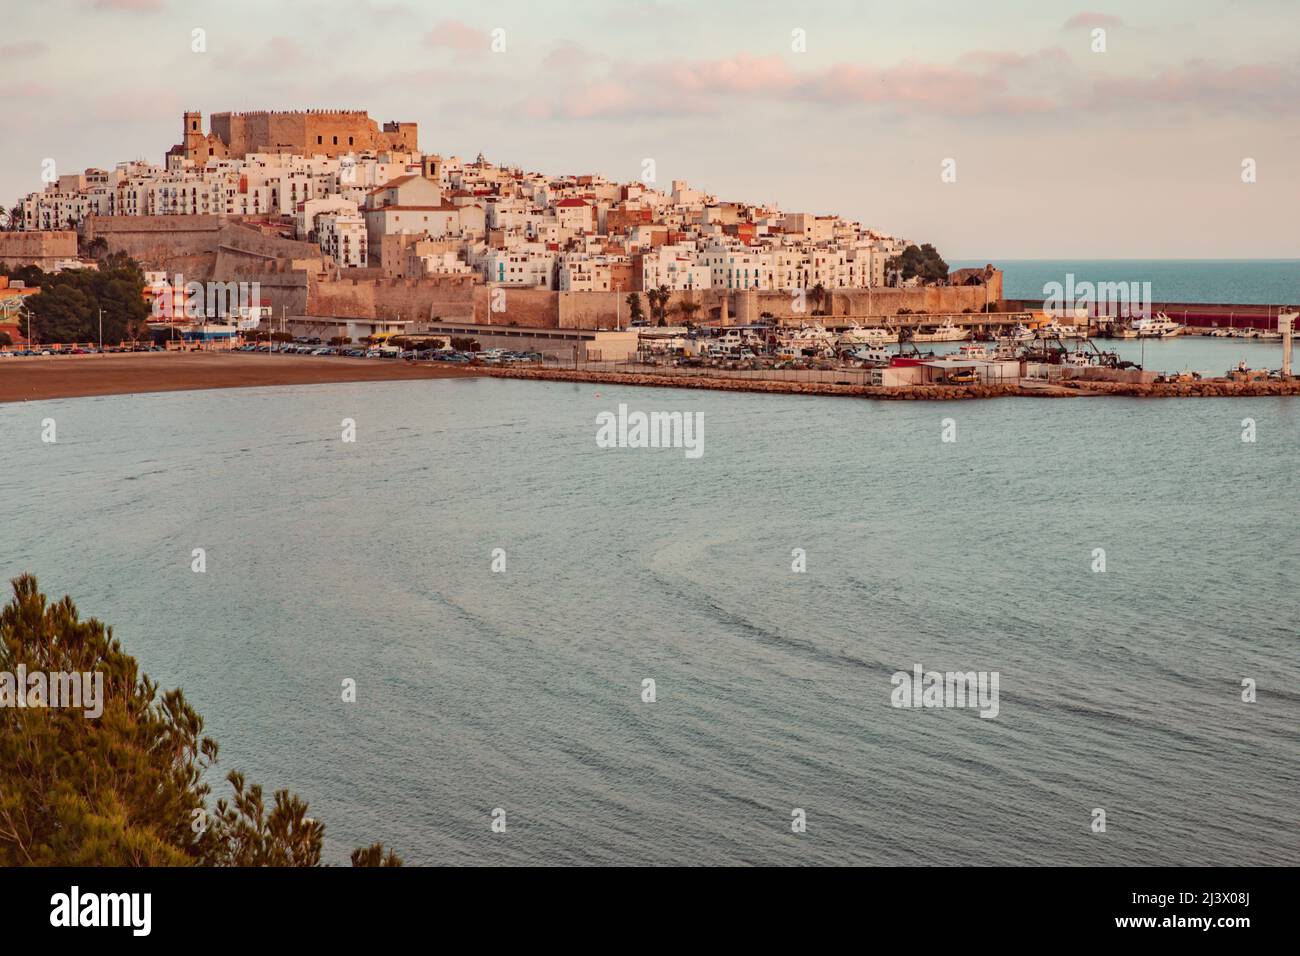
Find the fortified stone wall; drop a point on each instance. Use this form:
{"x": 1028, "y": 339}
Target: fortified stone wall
{"x": 525, "y": 308}
{"x": 37, "y": 248}
{"x": 284, "y": 290}
{"x": 235, "y": 243}
{"x": 848, "y": 304}
{"x": 171, "y": 243}
{"x": 540, "y": 308}
{"x": 416, "y": 300}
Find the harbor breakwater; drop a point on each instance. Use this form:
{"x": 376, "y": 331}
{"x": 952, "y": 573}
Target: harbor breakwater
{"x": 1069, "y": 388}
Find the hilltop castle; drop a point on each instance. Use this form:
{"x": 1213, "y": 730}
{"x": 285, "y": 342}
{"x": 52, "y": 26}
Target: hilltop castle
{"x": 308, "y": 132}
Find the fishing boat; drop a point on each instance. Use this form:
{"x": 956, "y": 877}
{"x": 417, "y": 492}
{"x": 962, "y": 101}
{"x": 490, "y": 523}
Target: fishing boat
{"x": 1081, "y": 358}
{"x": 971, "y": 352}
{"x": 1021, "y": 333}
{"x": 947, "y": 332}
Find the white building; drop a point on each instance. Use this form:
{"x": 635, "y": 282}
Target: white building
{"x": 343, "y": 237}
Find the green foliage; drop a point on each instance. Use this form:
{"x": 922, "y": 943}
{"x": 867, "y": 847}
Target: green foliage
{"x": 6, "y": 340}
{"x": 67, "y": 307}
{"x": 374, "y": 855}
{"x": 31, "y": 276}
{"x": 924, "y": 262}
{"x": 658, "y": 299}
{"x": 818, "y": 294}
{"x": 635, "y": 313}
{"x": 125, "y": 788}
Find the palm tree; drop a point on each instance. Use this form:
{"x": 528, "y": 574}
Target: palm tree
{"x": 634, "y": 308}
{"x": 664, "y": 295}
{"x": 818, "y": 293}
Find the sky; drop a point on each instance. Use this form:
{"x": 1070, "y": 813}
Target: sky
{"x": 1059, "y": 149}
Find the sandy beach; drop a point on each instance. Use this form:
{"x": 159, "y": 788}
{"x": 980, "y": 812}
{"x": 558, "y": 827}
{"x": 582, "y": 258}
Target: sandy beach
{"x": 72, "y": 376}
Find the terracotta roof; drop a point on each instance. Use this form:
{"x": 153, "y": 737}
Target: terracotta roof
{"x": 393, "y": 183}
{"x": 569, "y": 203}
{"x": 442, "y": 208}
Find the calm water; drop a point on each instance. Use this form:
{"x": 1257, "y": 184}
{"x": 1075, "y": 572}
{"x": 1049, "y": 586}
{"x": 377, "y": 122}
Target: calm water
{"x": 521, "y": 690}
{"x": 1246, "y": 281}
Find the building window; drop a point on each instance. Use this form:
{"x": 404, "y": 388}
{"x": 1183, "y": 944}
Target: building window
{"x": 336, "y": 140}
{"x": 319, "y": 140}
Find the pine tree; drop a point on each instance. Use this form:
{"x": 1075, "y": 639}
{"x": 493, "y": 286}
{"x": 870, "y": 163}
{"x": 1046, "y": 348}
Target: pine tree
{"x": 124, "y": 788}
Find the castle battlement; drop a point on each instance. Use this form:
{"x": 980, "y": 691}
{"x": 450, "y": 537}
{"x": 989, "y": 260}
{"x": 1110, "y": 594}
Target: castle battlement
{"x": 329, "y": 132}
{"x": 318, "y": 112}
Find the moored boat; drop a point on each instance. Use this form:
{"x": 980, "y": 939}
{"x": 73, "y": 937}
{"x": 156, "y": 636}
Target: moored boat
{"x": 1159, "y": 326}
{"x": 947, "y": 332}
{"x": 855, "y": 335}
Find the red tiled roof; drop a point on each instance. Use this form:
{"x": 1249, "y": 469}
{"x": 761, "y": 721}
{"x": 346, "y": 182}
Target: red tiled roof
{"x": 393, "y": 183}
{"x": 443, "y": 208}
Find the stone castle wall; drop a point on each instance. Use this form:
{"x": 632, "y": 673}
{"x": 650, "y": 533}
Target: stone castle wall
{"x": 328, "y": 132}
{"x": 413, "y": 300}
{"x": 41, "y": 249}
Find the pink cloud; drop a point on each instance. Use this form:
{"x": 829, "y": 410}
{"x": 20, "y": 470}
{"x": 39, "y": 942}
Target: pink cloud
{"x": 21, "y": 51}
{"x": 1203, "y": 84}
{"x": 454, "y": 35}
{"x": 738, "y": 74}
{"x": 30, "y": 91}
{"x": 1086, "y": 21}
{"x": 276, "y": 55}
{"x": 565, "y": 57}
{"x": 130, "y": 6}
{"x": 977, "y": 83}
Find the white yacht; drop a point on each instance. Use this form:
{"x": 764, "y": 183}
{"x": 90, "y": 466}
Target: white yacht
{"x": 1053, "y": 329}
{"x": 812, "y": 338}
{"x": 947, "y": 332}
{"x": 1158, "y": 327}
{"x": 856, "y": 335}
{"x": 873, "y": 355}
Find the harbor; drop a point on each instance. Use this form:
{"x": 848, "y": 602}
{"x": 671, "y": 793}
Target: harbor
{"x": 814, "y": 383}
{"x": 956, "y": 357}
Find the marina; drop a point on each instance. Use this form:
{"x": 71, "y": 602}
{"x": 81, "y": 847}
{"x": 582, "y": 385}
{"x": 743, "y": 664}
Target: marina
{"x": 916, "y": 352}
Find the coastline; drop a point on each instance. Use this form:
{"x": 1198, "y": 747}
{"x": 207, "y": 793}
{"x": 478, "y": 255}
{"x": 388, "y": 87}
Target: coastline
{"x": 1204, "y": 388}
{"x": 82, "y": 376}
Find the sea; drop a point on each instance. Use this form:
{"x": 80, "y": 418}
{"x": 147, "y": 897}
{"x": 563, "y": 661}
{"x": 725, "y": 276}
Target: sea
{"x": 502, "y": 591}
{"x": 1226, "y": 281}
